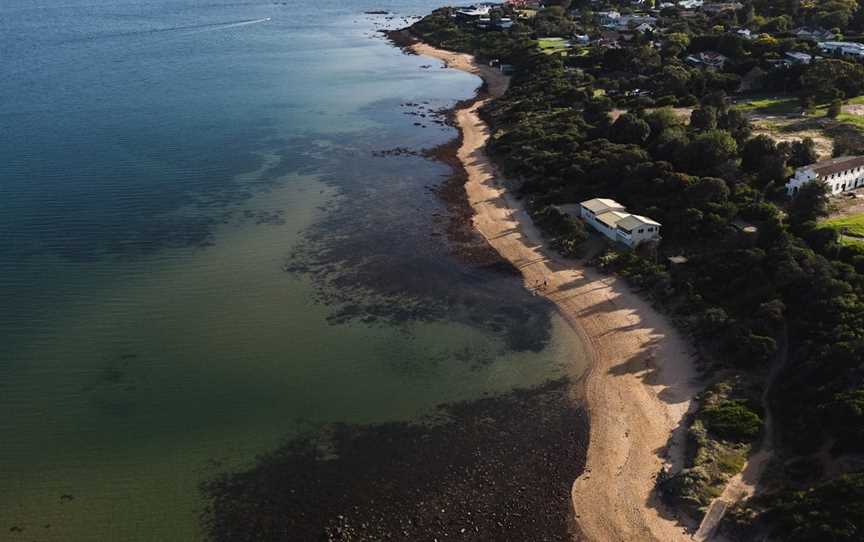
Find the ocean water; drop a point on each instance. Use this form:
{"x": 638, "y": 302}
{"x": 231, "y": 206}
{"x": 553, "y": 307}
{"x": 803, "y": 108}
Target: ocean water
{"x": 203, "y": 252}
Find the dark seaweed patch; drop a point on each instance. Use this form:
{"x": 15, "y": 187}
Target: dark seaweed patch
{"x": 493, "y": 469}
{"x": 395, "y": 248}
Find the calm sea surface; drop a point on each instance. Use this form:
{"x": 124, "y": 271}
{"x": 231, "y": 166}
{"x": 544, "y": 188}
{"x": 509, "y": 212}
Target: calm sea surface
{"x": 202, "y": 254}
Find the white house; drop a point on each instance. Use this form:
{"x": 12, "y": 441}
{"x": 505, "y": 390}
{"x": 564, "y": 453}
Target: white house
{"x": 797, "y": 57}
{"x": 839, "y": 174}
{"x": 844, "y": 48}
{"x": 505, "y": 23}
{"x": 710, "y": 59}
{"x": 473, "y": 12}
{"x": 634, "y": 229}
{"x": 608, "y": 17}
{"x": 589, "y": 209}
{"x": 817, "y": 34}
{"x": 612, "y": 220}
{"x": 645, "y": 28}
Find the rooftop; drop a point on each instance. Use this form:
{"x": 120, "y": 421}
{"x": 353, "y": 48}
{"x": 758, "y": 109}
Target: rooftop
{"x": 612, "y": 218}
{"x": 602, "y": 205}
{"x": 847, "y": 44}
{"x": 836, "y": 165}
{"x": 631, "y": 222}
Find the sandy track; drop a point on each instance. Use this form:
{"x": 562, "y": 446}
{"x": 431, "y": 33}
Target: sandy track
{"x": 641, "y": 380}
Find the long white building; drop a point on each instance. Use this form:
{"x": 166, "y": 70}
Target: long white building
{"x": 612, "y": 220}
{"x": 844, "y": 48}
{"x": 839, "y": 175}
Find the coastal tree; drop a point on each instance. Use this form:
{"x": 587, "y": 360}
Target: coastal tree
{"x": 755, "y": 151}
{"x": 809, "y": 204}
{"x": 707, "y": 190}
{"x": 833, "y": 78}
{"x": 834, "y": 108}
{"x": 628, "y": 128}
{"x": 710, "y": 150}
{"x": 703, "y": 118}
{"x": 803, "y": 153}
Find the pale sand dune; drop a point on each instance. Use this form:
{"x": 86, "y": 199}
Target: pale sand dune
{"x": 641, "y": 379}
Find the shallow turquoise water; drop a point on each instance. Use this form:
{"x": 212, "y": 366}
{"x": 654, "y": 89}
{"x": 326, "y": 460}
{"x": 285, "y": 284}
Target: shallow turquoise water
{"x": 161, "y": 163}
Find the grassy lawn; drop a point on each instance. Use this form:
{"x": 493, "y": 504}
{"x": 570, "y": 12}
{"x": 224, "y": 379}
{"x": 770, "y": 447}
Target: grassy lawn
{"x": 852, "y": 224}
{"x": 857, "y": 120}
{"x": 846, "y": 240}
{"x": 781, "y": 105}
{"x": 784, "y": 105}
{"x": 553, "y": 45}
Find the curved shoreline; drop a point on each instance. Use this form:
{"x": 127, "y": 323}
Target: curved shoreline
{"x": 640, "y": 382}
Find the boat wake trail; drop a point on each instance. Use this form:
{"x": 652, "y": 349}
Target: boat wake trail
{"x": 223, "y": 26}
{"x": 187, "y": 29}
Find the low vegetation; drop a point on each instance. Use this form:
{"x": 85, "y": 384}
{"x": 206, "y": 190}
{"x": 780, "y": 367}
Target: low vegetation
{"x": 849, "y": 225}
{"x": 832, "y": 510}
{"x": 720, "y": 438}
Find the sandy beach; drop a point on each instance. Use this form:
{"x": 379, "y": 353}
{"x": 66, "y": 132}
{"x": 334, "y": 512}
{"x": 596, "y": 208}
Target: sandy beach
{"x": 641, "y": 378}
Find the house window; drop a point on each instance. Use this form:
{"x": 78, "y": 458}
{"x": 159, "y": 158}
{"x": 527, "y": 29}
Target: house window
{"x": 641, "y": 230}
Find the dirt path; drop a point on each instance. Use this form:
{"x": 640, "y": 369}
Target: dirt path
{"x": 641, "y": 379}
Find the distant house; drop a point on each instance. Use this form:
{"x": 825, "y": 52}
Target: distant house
{"x": 581, "y": 39}
{"x": 626, "y": 22}
{"x": 816, "y": 34}
{"x": 473, "y": 12}
{"x": 609, "y": 38}
{"x": 637, "y": 92}
{"x": 612, "y": 220}
{"x": 744, "y": 33}
{"x": 523, "y": 4}
{"x": 646, "y": 28}
{"x": 504, "y": 23}
{"x": 838, "y": 174}
{"x": 608, "y": 17}
{"x": 842, "y": 48}
{"x": 709, "y": 59}
{"x": 797, "y": 57}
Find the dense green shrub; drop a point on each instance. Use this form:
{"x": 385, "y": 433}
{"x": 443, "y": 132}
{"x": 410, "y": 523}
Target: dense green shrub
{"x": 732, "y": 420}
{"x": 833, "y": 511}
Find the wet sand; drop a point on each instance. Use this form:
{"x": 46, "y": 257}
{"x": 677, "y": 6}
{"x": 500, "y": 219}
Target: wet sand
{"x": 641, "y": 378}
